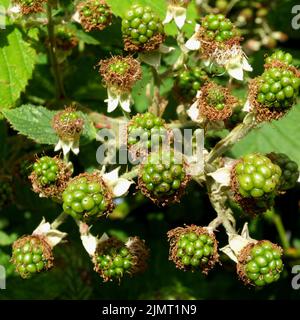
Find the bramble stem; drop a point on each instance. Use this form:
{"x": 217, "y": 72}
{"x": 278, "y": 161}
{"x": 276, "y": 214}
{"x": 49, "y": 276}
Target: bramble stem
{"x": 59, "y": 86}
{"x": 233, "y": 137}
{"x": 59, "y": 220}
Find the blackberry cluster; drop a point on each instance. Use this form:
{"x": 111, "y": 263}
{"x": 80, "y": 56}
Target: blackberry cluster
{"x": 30, "y": 6}
{"x": 215, "y": 98}
{"x": 86, "y": 198}
{"x": 278, "y": 88}
{"x": 47, "y": 170}
{"x": 261, "y": 264}
{"x": 195, "y": 250}
{"x": 144, "y": 129}
{"x": 142, "y": 28}
{"x": 190, "y": 81}
{"x": 256, "y": 176}
{"x": 65, "y": 38}
{"x": 218, "y": 28}
{"x": 163, "y": 174}
{"x": 119, "y": 67}
{"x": 31, "y": 255}
{"x": 289, "y": 168}
{"x": 281, "y": 56}
{"x": 94, "y": 14}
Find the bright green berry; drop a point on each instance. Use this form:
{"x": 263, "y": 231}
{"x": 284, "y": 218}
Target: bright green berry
{"x": 289, "y": 168}
{"x": 262, "y": 264}
{"x": 189, "y": 81}
{"x": 31, "y": 255}
{"x": 119, "y": 67}
{"x": 140, "y": 26}
{"x": 163, "y": 173}
{"x": 282, "y": 56}
{"x": 46, "y": 170}
{"x": 257, "y": 176}
{"x": 86, "y": 198}
{"x": 216, "y": 98}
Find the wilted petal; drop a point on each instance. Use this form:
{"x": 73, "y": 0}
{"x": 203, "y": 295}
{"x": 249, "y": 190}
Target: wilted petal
{"x": 222, "y": 176}
{"x": 121, "y": 187}
{"x": 229, "y": 252}
{"x": 42, "y": 227}
{"x": 14, "y": 9}
{"x": 58, "y": 146}
{"x": 112, "y": 176}
{"x": 165, "y": 49}
{"x": 193, "y": 43}
{"x": 66, "y": 146}
{"x": 125, "y": 102}
{"x": 54, "y": 237}
{"x": 76, "y": 17}
{"x": 193, "y": 111}
{"x": 152, "y": 58}
{"x": 247, "y": 106}
{"x": 90, "y": 243}
{"x": 246, "y": 65}
{"x": 112, "y": 104}
{"x": 169, "y": 16}
{"x": 180, "y": 17}
{"x": 236, "y": 72}
{"x": 75, "y": 146}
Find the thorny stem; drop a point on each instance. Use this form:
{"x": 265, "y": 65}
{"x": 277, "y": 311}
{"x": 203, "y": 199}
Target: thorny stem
{"x": 59, "y": 86}
{"x": 59, "y": 220}
{"x": 234, "y": 136}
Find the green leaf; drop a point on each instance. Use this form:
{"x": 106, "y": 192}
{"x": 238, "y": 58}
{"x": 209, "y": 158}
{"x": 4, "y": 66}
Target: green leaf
{"x": 35, "y": 123}
{"x": 17, "y": 59}
{"x": 279, "y": 136}
{"x": 84, "y": 37}
{"x": 6, "y": 240}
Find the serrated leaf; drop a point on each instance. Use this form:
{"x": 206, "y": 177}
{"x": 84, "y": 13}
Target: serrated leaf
{"x": 35, "y": 123}
{"x": 17, "y": 60}
{"x": 279, "y": 136}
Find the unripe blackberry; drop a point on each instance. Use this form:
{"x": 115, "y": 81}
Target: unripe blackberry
{"x": 31, "y": 255}
{"x": 215, "y": 27}
{"x": 30, "y": 6}
{"x": 94, "y": 15}
{"x": 163, "y": 177}
{"x": 120, "y": 73}
{"x": 50, "y": 176}
{"x": 216, "y": 102}
{"x": 68, "y": 124}
{"x": 281, "y": 56}
{"x": 193, "y": 248}
{"x": 144, "y": 129}
{"x": 87, "y": 197}
{"x": 289, "y": 168}
{"x": 189, "y": 82}
{"x": 255, "y": 175}
{"x": 260, "y": 264}
{"x": 142, "y": 29}
{"x": 65, "y": 38}
{"x": 114, "y": 259}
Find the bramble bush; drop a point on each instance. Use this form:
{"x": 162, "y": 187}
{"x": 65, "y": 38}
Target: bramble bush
{"x": 152, "y": 126}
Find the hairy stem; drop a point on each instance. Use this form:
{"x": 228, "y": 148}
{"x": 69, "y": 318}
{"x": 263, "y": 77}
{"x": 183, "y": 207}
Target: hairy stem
{"x": 59, "y": 86}
{"x": 59, "y": 220}
{"x": 233, "y": 137}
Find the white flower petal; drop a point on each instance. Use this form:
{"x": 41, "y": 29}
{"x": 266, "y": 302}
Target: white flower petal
{"x": 193, "y": 111}
{"x": 75, "y": 146}
{"x": 180, "y": 17}
{"x": 169, "y": 16}
{"x": 66, "y": 146}
{"x": 125, "y": 102}
{"x": 103, "y": 238}
{"x": 246, "y": 65}
{"x": 121, "y": 187}
{"x": 76, "y": 17}
{"x": 193, "y": 43}
{"x": 229, "y": 252}
{"x": 247, "y": 106}
{"x": 236, "y": 72}
{"x": 222, "y": 176}
{"x": 42, "y": 227}
{"x": 58, "y": 146}
{"x": 14, "y": 9}
{"x": 197, "y": 27}
{"x": 90, "y": 243}
{"x": 112, "y": 176}
{"x": 54, "y": 237}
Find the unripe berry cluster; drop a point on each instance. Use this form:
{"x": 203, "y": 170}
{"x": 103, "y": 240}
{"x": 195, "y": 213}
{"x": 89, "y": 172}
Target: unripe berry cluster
{"x": 94, "y": 14}
{"x": 86, "y": 197}
{"x": 218, "y": 28}
{"x": 120, "y": 73}
{"x": 30, "y": 6}
{"x": 193, "y": 248}
{"x": 260, "y": 263}
{"x": 289, "y": 168}
{"x": 256, "y": 176}
{"x": 216, "y": 98}
{"x": 31, "y": 254}
{"x": 144, "y": 129}
{"x": 46, "y": 169}
{"x": 65, "y": 38}
{"x": 163, "y": 176}
{"x": 113, "y": 259}
{"x": 280, "y": 55}
{"x": 278, "y": 88}
{"x": 142, "y": 29}
{"x": 189, "y": 82}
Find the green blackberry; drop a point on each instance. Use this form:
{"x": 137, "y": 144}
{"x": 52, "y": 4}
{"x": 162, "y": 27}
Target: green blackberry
{"x": 30, "y": 6}
{"x": 289, "y": 168}
{"x": 260, "y": 264}
{"x": 218, "y": 28}
{"x": 193, "y": 248}
{"x": 86, "y": 197}
{"x": 113, "y": 259}
{"x": 278, "y": 88}
{"x": 31, "y": 255}
{"x": 163, "y": 177}
{"x": 281, "y": 56}
{"x": 256, "y": 176}
{"x": 65, "y": 38}
{"x": 46, "y": 169}
{"x": 142, "y": 29}
{"x": 144, "y": 129}
{"x": 94, "y": 14}
{"x": 216, "y": 98}
{"x": 189, "y": 82}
